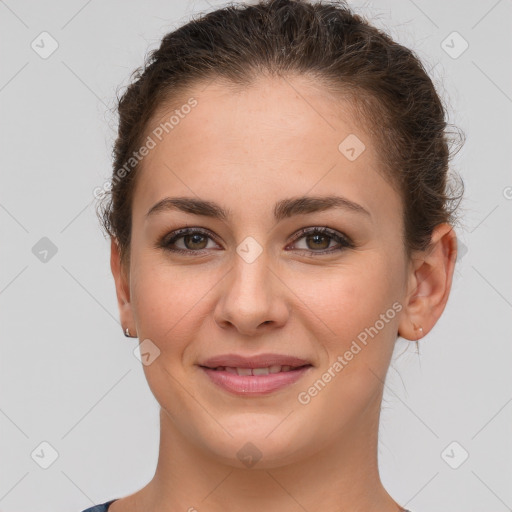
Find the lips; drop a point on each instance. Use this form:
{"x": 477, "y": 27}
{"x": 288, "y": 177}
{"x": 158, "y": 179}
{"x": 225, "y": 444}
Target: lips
{"x": 254, "y": 376}
{"x": 259, "y": 362}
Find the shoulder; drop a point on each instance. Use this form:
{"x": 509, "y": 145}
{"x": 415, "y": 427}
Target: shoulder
{"x": 103, "y": 507}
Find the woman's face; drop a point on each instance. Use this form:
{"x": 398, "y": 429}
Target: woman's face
{"x": 251, "y": 284}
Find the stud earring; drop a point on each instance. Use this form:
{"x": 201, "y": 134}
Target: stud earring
{"x": 127, "y": 333}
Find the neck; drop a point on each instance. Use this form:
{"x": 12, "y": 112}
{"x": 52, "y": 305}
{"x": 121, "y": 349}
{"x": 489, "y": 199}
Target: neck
{"x": 341, "y": 477}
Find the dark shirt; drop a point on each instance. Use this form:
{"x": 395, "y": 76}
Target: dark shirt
{"x": 104, "y": 507}
{"x": 100, "y": 508}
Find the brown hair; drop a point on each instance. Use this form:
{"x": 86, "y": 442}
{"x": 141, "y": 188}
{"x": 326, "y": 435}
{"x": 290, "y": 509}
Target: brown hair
{"x": 326, "y": 41}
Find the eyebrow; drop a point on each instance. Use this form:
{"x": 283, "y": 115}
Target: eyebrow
{"x": 283, "y": 209}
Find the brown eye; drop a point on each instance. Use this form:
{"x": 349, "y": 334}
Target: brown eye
{"x": 318, "y": 241}
{"x": 195, "y": 241}
{"x": 192, "y": 240}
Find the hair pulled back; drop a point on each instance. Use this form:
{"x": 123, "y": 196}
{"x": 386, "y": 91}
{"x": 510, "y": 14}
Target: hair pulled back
{"x": 326, "y": 41}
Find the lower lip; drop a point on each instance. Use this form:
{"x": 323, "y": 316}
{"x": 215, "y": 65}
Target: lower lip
{"x": 254, "y": 384}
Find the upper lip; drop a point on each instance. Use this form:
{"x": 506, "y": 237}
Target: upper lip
{"x": 258, "y": 361}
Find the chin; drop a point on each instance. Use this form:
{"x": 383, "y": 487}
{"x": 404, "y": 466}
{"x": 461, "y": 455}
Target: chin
{"x": 265, "y": 444}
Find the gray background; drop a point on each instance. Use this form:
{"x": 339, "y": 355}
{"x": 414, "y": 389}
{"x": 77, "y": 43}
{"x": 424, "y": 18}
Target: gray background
{"x": 68, "y": 376}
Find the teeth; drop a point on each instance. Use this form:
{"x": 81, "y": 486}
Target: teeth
{"x": 260, "y": 371}
{"x": 255, "y": 371}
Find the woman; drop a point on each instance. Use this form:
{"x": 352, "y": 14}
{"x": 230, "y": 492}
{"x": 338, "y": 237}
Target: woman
{"x": 278, "y": 216}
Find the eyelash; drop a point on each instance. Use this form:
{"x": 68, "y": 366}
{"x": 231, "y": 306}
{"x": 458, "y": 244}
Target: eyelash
{"x": 343, "y": 240}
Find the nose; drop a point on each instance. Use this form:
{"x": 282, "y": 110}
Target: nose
{"x": 253, "y": 298}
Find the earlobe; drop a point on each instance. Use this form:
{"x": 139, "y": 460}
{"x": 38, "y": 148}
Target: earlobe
{"x": 429, "y": 284}
{"x": 122, "y": 285}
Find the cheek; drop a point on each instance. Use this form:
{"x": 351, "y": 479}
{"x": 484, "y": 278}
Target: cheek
{"x": 347, "y": 296}
{"x": 353, "y": 304}
{"x": 357, "y": 308}
{"x": 169, "y": 300}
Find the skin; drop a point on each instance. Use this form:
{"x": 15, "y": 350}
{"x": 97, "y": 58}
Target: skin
{"x": 246, "y": 150}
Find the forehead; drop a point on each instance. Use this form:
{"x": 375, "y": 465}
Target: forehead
{"x": 278, "y": 137}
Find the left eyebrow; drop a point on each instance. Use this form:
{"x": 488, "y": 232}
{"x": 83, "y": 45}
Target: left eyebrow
{"x": 283, "y": 209}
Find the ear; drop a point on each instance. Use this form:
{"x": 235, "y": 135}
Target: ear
{"x": 122, "y": 282}
{"x": 429, "y": 283}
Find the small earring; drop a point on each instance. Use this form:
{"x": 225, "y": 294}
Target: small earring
{"x": 127, "y": 333}
{"x": 421, "y": 331}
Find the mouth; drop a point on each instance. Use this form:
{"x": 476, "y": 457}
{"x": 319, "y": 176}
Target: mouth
{"x": 269, "y": 370}
{"x": 252, "y": 379}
